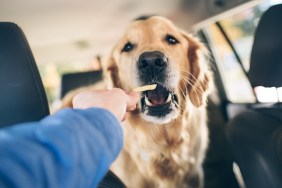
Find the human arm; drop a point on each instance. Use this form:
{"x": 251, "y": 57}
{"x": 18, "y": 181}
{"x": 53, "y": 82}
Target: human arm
{"x": 73, "y": 148}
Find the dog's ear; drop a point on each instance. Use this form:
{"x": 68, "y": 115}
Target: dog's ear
{"x": 110, "y": 70}
{"x": 200, "y": 74}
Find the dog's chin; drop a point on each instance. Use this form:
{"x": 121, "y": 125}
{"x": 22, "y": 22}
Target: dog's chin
{"x": 159, "y": 106}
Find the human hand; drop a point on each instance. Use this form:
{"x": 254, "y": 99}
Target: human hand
{"x": 116, "y": 100}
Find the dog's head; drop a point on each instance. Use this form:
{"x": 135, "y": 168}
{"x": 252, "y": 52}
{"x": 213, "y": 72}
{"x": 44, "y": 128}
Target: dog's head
{"x": 154, "y": 51}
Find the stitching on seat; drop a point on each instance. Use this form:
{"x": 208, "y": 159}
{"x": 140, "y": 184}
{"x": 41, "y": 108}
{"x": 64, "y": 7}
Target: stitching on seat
{"x": 35, "y": 74}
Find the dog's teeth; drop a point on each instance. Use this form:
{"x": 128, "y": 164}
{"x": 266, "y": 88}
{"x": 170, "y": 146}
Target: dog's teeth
{"x": 168, "y": 98}
{"x": 147, "y": 101}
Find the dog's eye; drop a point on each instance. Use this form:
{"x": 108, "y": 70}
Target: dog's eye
{"x": 171, "y": 40}
{"x": 128, "y": 47}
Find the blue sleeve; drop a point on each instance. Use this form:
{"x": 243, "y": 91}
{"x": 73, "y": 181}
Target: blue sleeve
{"x": 70, "y": 149}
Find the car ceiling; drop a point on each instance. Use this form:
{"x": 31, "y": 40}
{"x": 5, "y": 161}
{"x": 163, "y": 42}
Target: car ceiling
{"x": 72, "y": 30}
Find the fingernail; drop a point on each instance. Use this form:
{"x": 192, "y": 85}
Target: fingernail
{"x": 132, "y": 108}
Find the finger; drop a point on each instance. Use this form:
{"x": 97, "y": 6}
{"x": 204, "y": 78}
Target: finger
{"x": 124, "y": 117}
{"x": 132, "y": 100}
{"x": 131, "y": 108}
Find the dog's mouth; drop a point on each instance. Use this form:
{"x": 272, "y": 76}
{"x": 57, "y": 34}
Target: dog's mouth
{"x": 158, "y": 97}
{"x": 159, "y": 102}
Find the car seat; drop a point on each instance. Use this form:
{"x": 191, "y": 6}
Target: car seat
{"x": 255, "y": 134}
{"x": 22, "y": 95}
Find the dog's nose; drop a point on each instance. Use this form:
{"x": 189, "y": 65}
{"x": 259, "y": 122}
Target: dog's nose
{"x": 154, "y": 60}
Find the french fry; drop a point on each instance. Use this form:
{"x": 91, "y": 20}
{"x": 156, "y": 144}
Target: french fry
{"x": 145, "y": 88}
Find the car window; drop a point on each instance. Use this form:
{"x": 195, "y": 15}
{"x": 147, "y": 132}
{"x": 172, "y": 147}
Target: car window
{"x": 235, "y": 83}
{"x": 240, "y": 29}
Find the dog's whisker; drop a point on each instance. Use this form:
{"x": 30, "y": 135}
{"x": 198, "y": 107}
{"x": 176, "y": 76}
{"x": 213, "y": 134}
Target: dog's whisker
{"x": 194, "y": 80}
{"x": 183, "y": 93}
{"x": 183, "y": 69}
{"x": 190, "y": 82}
{"x": 196, "y": 83}
{"x": 197, "y": 89}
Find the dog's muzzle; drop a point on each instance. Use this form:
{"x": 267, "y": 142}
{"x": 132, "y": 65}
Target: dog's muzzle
{"x": 160, "y": 104}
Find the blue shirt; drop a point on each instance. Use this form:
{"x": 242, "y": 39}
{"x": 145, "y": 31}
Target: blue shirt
{"x": 70, "y": 149}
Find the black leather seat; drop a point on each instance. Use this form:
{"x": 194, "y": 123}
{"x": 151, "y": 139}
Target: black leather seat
{"x": 255, "y": 134}
{"x": 22, "y": 95}
{"x": 266, "y": 57}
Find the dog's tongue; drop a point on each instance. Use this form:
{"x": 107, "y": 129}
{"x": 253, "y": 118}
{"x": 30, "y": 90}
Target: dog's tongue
{"x": 157, "y": 96}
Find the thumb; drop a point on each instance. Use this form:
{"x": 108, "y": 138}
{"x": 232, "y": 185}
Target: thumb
{"x": 132, "y": 100}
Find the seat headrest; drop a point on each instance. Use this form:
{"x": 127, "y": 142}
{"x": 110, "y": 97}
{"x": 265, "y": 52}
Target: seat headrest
{"x": 266, "y": 57}
{"x": 71, "y": 81}
{"x": 22, "y": 95}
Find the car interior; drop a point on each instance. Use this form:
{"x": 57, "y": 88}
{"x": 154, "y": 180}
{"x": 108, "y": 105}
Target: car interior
{"x": 23, "y": 96}
{"x": 255, "y": 133}
{"x": 245, "y": 130}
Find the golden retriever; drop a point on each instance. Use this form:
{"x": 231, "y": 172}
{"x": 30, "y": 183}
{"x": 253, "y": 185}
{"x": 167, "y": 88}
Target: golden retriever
{"x": 166, "y": 137}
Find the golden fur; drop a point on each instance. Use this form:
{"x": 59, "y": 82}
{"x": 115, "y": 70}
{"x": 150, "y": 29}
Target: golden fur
{"x": 171, "y": 154}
